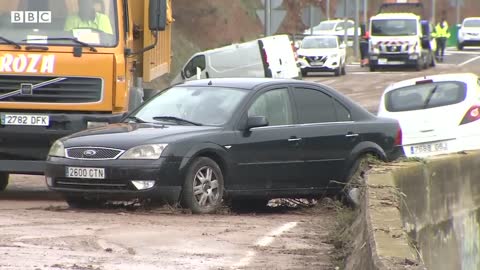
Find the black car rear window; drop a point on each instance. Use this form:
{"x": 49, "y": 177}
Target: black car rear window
{"x": 424, "y": 96}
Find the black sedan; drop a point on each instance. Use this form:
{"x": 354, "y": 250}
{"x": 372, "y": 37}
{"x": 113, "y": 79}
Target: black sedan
{"x": 202, "y": 142}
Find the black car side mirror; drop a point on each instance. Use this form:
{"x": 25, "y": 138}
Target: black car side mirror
{"x": 256, "y": 121}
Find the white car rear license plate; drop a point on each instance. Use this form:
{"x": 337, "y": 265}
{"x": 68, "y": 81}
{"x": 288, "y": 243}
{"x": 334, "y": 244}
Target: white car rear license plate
{"x": 86, "y": 173}
{"x": 428, "y": 148}
{"x": 9, "y": 119}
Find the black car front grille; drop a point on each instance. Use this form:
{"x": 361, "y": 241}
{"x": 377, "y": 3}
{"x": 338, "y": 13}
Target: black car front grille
{"x": 93, "y": 184}
{"x": 93, "y": 153}
{"x": 63, "y": 90}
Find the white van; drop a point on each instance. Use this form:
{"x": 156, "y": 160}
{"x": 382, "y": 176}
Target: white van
{"x": 271, "y": 57}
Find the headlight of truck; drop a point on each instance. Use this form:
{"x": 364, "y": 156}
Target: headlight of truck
{"x": 334, "y": 55}
{"x": 374, "y": 50}
{"x": 57, "y": 149}
{"x": 148, "y": 151}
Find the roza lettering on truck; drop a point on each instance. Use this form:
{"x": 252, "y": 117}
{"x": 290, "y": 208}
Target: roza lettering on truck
{"x": 28, "y": 63}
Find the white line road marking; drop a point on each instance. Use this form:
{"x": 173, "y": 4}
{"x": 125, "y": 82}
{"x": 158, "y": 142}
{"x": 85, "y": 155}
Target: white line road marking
{"x": 263, "y": 242}
{"x": 469, "y": 61}
{"x": 327, "y": 81}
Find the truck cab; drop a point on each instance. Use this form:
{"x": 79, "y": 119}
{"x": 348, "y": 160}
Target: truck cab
{"x": 400, "y": 39}
{"x": 69, "y": 65}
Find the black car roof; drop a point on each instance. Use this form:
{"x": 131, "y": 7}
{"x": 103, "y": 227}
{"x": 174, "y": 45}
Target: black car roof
{"x": 244, "y": 83}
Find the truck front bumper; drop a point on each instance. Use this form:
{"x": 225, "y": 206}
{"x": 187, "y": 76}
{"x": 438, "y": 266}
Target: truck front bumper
{"x": 394, "y": 59}
{"x": 23, "y": 149}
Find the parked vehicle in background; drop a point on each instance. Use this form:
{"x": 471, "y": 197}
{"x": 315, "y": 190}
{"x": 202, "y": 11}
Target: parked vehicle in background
{"x": 334, "y": 28}
{"x": 399, "y": 37}
{"x": 269, "y": 57}
{"x": 322, "y": 53}
{"x": 438, "y": 114}
{"x": 469, "y": 33}
{"x": 59, "y": 76}
{"x": 233, "y": 139}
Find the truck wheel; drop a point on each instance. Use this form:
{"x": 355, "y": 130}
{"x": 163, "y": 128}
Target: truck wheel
{"x": 3, "y": 180}
{"x": 203, "y": 187}
{"x": 80, "y": 202}
{"x": 432, "y": 60}
{"x": 460, "y": 46}
{"x": 419, "y": 65}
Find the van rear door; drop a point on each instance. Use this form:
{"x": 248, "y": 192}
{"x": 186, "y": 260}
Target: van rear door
{"x": 280, "y": 56}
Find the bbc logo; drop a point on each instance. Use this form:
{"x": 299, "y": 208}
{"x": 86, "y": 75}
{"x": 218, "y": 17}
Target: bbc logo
{"x": 31, "y": 17}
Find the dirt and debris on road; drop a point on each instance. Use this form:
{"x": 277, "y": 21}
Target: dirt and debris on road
{"x": 49, "y": 235}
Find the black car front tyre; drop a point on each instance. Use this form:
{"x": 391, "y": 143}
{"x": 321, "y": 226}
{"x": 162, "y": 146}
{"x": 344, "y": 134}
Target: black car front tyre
{"x": 203, "y": 187}
{"x": 3, "y": 180}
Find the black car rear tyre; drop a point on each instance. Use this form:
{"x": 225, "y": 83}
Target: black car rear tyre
{"x": 304, "y": 73}
{"x": 203, "y": 187}
{"x": 3, "y": 180}
{"x": 80, "y": 202}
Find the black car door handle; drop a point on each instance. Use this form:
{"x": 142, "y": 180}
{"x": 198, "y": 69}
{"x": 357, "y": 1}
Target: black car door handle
{"x": 351, "y": 134}
{"x": 294, "y": 139}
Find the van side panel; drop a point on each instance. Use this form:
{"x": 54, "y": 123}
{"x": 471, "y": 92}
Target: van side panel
{"x": 238, "y": 60}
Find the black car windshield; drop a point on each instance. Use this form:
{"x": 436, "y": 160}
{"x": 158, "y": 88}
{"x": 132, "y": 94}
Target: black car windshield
{"x": 424, "y": 96}
{"x": 319, "y": 43}
{"x": 471, "y": 23}
{"x": 57, "y": 22}
{"x": 201, "y": 105}
{"x": 394, "y": 27}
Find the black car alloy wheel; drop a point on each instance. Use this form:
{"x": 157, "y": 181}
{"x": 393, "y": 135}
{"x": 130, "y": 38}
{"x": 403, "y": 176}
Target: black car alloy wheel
{"x": 203, "y": 187}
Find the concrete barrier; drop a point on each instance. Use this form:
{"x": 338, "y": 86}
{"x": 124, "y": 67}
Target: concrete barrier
{"x": 421, "y": 215}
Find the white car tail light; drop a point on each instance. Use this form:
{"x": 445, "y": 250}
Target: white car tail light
{"x": 473, "y": 114}
{"x": 399, "y": 136}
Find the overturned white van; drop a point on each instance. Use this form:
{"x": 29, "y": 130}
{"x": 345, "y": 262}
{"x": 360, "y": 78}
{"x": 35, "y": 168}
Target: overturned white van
{"x": 271, "y": 57}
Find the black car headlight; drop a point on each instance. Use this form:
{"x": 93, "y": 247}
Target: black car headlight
{"x": 148, "y": 151}
{"x": 57, "y": 149}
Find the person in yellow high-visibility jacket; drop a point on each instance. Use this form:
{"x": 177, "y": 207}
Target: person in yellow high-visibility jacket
{"x": 88, "y": 17}
{"x": 441, "y": 34}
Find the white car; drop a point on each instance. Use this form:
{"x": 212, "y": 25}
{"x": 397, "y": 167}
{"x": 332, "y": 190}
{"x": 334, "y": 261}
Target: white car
{"x": 438, "y": 114}
{"x": 322, "y": 53}
{"x": 469, "y": 33}
{"x": 333, "y": 27}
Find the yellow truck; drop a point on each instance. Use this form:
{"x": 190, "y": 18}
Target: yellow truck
{"x": 69, "y": 65}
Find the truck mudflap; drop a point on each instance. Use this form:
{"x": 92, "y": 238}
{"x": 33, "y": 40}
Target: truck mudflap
{"x": 24, "y": 148}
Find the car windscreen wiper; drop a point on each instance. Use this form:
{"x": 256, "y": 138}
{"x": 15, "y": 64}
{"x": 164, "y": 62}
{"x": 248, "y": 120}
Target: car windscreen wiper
{"x": 84, "y": 44}
{"x": 136, "y": 119}
{"x": 429, "y": 97}
{"x": 176, "y": 119}
{"x": 11, "y": 42}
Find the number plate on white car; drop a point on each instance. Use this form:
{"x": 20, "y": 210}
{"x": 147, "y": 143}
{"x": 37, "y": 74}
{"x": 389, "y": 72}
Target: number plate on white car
{"x": 428, "y": 148}
{"x": 86, "y": 173}
{"x": 24, "y": 120}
